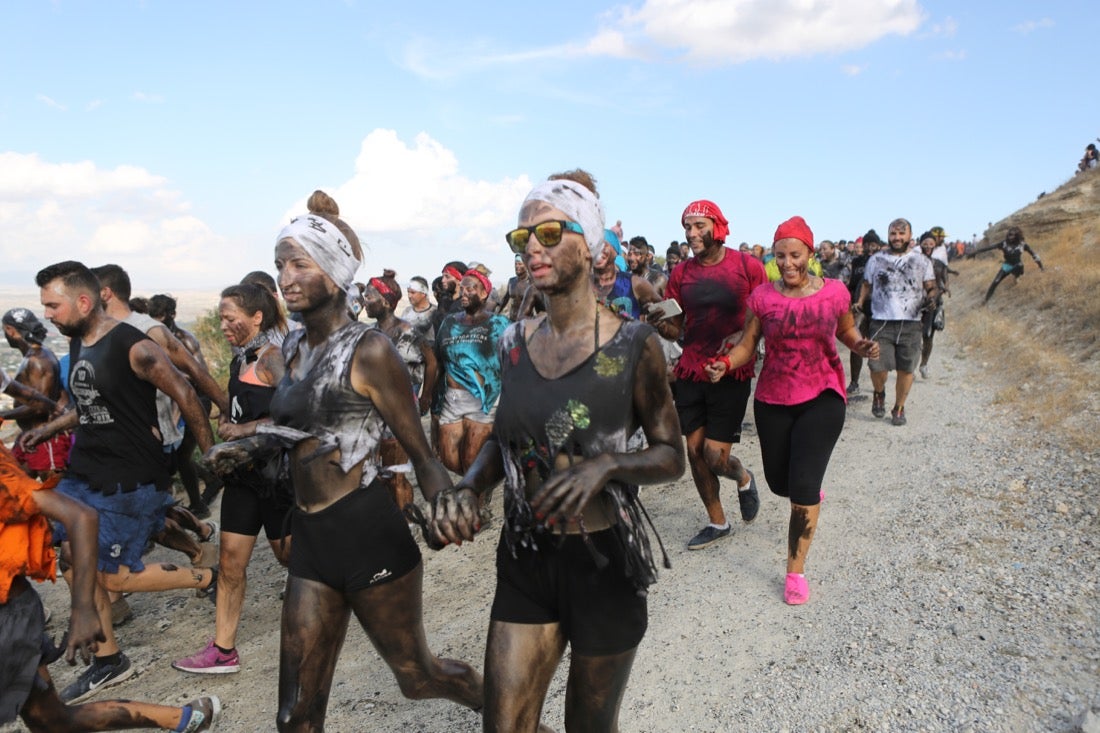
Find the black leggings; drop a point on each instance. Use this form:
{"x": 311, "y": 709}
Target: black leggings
{"x": 796, "y": 442}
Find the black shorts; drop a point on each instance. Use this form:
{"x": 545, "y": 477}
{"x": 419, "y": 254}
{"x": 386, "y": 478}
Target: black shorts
{"x": 718, "y": 407}
{"x": 600, "y": 611}
{"x": 22, "y": 624}
{"x": 244, "y": 512}
{"x": 361, "y": 540}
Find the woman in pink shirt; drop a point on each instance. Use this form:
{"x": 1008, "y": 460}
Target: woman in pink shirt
{"x": 800, "y": 399}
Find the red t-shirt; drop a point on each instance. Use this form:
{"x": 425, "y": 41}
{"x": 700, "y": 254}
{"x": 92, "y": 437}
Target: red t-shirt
{"x": 714, "y": 299}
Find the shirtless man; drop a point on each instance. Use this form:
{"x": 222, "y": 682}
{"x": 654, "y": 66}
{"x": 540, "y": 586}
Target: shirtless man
{"x": 39, "y": 370}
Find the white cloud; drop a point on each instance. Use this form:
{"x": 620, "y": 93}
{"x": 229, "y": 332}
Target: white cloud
{"x": 56, "y": 211}
{"x": 149, "y": 98}
{"x": 948, "y": 28}
{"x": 49, "y": 102}
{"x": 1033, "y": 25}
{"x": 734, "y": 31}
{"x": 414, "y": 210}
{"x": 952, "y": 55}
{"x": 853, "y": 69}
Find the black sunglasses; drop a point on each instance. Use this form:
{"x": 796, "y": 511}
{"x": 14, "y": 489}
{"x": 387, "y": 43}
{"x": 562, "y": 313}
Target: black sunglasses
{"x": 549, "y": 234}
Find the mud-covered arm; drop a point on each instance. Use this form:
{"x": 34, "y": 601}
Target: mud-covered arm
{"x": 186, "y": 362}
{"x": 151, "y": 364}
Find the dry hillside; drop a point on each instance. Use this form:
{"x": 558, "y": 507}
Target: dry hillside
{"x": 1038, "y": 339}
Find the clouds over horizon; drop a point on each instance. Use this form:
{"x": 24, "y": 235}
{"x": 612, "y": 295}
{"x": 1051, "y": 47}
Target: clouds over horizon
{"x": 411, "y": 205}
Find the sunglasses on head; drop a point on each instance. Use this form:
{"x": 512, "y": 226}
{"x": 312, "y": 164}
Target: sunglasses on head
{"x": 549, "y": 234}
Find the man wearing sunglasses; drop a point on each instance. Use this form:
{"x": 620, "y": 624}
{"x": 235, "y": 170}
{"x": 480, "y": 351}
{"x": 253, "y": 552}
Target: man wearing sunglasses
{"x": 712, "y": 289}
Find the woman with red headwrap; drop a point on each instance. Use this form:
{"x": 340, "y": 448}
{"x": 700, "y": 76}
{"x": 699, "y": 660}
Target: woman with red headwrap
{"x": 800, "y": 399}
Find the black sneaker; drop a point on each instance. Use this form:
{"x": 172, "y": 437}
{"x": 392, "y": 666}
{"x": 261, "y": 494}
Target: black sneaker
{"x": 749, "y": 500}
{"x": 853, "y": 387}
{"x": 707, "y": 537}
{"x": 897, "y": 416}
{"x": 96, "y": 677}
{"x": 878, "y": 404}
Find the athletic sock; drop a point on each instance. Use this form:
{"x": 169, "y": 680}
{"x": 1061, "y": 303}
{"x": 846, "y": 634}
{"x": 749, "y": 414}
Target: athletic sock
{"x": 111, "y": 659}
{"x": 720, "y": 526}
{"x": 223, "y": 650}
{"x": 185, "y": 718}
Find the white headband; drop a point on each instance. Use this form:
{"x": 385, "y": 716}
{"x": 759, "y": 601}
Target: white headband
{"x": 417, "y": 287}
{"x": 325, "y": 243}
{"x": 577, "y": 203}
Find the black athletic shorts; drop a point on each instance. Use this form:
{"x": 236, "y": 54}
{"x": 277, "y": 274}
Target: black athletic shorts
{"x": 244, "y": 512}
{"x": 718, "y": 407}
{"x": 361, "y": 540}
{"x": 600, "y": 611}
{"x": 22, "y": 624}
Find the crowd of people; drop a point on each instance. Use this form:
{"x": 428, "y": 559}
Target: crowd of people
{"x": 593, "y": 371}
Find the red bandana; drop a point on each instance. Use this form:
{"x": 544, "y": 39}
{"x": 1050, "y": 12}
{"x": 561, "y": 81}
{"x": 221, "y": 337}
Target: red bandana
{"x": 710, "y": 210}
{"x": 795, "y": 228}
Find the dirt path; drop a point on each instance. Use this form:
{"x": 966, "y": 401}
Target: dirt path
{"x": 952, "y": 580}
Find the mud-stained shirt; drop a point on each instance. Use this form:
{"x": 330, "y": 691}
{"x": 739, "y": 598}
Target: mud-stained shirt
{"x": 584, "y": 413}
{"x": 469, "y": 355}
{"x": 897, "y": 284}
{"x": 316, "y": 399}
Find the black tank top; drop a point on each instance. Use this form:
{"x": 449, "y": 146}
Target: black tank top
{"x": 117, "y": 445}
{"x": 248, "y": 399}
{"x": 586, "y": 412}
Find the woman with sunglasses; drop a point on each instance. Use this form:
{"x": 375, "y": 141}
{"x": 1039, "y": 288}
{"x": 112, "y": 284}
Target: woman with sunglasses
{"x": 574, "y": 559}
{"x": 352, "y": 550}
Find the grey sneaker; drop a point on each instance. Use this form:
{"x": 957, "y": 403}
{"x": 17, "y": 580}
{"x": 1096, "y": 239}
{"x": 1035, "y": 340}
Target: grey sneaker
{"x": 204, "y": 712}
{"x": 707, "y": 537}
{"x": 97, "y": 676}
{"x": 853, "y": 387}
{"x": 924, "y": 371}
{"x": 749, "y": 500}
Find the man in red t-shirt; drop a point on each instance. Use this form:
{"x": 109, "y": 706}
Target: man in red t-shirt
{"x": 712, "y": 288}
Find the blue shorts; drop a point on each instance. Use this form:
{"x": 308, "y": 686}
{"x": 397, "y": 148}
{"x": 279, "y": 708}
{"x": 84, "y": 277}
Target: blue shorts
{"x": 127, "y": 520}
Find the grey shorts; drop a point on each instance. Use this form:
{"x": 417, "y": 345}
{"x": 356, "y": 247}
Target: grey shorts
{"x": 459, "y": 405}
{"x": 21, "y": 627}
{"x": 899, "y": 345}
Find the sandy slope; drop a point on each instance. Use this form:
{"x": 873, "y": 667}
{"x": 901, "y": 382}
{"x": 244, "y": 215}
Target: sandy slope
{"x": 952, "y": 587}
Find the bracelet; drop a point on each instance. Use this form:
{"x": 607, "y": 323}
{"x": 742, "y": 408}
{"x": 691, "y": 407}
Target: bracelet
{"x": 724, "y": 359}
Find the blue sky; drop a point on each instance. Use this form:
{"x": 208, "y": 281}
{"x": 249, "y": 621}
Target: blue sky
{"x": 175, "y": 138}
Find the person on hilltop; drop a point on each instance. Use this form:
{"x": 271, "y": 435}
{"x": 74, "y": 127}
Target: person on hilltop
{"x": 1012, "y": 247}
{"x": 352, "y": 551}
{"x": 712, "y": 288}
{"x": 40, "y": 371}
{"x": 574, "y": 559}
{"x": 26, "y": 689}
{"x": 799, "y": 404}
{"x": 899, "y": 282}
{"x": 118, "y": 465}
{"x": 255, "y": 496}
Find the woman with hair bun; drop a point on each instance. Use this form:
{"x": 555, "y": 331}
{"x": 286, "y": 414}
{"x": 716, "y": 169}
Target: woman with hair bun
{"x": 352, "y": 550}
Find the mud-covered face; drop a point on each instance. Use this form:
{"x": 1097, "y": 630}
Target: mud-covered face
{"x": 554, "y": 269}
{"x": 899, "y": 238}
{"x": 699, "y": 232}
{"x": 376, "y": 305}
{"x": 304, "y": 285}
{"x": 237, "y": 326}
{"x": 792, "y": 257}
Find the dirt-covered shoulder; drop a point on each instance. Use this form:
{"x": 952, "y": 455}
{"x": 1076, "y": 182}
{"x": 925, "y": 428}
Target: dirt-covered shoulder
{"x": 953, "y": 587}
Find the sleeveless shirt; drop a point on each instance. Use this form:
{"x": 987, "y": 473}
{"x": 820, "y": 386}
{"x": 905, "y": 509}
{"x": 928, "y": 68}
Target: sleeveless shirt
{"x": 316, "y": 400}
{"x": 116, "y": 445}
{"x": 586, "y": 412}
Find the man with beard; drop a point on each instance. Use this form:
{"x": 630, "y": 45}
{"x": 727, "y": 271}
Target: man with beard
{"x": 466, "y": 347}
{"x": 638, "y": 259}
{"x": 626, "y": 293}
{"x": 712, "y": 288}
{"x": 118, "y": 466}
{"x": 447, "y": 295}
{"x": 900, "y": 282}
{"x": 672, "y": 258}
{"x": 39, "y": 370}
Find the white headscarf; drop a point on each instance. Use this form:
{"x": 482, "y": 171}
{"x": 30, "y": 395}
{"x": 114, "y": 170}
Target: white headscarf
{"x": 326, "y": 244}
{"x": 577, "y": 203}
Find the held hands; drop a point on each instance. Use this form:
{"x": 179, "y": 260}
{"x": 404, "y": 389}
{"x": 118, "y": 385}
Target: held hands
{"x": 230, "y": 431}
{"x": 455, "y": 517}
{"x": 717, "y": 367}
{"x": 224, "y": 458}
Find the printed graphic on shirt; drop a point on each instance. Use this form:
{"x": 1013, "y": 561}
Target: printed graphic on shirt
{"x": 90, "y": 407}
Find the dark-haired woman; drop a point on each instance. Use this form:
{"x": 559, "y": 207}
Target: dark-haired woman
{"x": 574, "y": 561}
{"x": 254, "y": 497}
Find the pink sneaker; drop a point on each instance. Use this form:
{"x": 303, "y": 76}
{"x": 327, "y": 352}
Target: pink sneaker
{"x": 797, "y": 591}
{"x": 210, "y": 661}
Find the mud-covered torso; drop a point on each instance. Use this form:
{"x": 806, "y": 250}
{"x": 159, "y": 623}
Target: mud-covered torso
{"x": 333, "y": 428}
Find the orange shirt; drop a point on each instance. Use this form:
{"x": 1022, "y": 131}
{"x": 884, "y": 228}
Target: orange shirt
{"x": 26, "y": 546}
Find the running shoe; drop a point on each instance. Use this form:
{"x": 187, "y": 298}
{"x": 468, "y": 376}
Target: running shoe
{"x": 98, "y": 675}
{"x": 878, "y": 404}
{"x": 924, "y": 371}
{"x": 897, "y": 416}
{"x": 203, "y": 713}
{"x": 749, "y": 500}
{"x": 708, "y": 536}
{"x": 797, "y": 590}
{"x": 210, "y": 660}
{"x": 853, "y": 387}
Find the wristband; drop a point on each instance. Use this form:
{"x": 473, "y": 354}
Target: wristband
{"x": 724, "y": 359}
